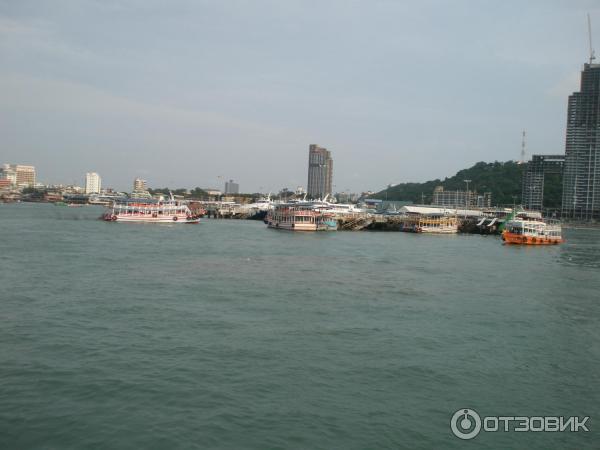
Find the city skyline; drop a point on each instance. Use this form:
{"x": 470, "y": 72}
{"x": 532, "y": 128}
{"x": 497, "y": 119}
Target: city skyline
{"x": 239, "y": 91}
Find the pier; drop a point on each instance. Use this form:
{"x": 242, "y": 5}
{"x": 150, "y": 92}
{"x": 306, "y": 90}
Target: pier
{"x": 468, "y": 221}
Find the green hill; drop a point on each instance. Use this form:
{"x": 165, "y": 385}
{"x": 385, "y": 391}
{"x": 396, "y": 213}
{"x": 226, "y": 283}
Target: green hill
{"x": 502, "y": 179}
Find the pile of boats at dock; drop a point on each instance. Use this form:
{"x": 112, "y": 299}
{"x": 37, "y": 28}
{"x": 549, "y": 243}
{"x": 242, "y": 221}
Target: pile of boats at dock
{"x": 516, "y": 226}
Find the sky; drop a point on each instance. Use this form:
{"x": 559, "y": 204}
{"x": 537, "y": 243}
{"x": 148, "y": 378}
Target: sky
{"x": 191, "y": 93}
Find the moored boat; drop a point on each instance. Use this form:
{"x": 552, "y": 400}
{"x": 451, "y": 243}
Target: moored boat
{"x": 300, "y": 217}
{"x": 532, "y": 232}
{"x": 430, "y": 224}
{"x": 145, "y": 210}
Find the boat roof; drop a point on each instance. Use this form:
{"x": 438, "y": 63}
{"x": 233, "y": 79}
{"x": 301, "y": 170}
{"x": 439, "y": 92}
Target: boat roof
{"x": 436, "y": 211}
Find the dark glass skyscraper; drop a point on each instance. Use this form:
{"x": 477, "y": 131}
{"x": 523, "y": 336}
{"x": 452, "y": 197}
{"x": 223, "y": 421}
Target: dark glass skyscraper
{"x": 320, "y": 172}
{"x": 581, "y": 176}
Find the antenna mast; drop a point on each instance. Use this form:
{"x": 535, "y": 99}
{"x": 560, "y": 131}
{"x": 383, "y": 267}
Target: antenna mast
{"x": 592, "y": 55}
{"x": 523, "y": 148}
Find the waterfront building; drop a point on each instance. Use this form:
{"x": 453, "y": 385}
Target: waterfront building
{"x": 320, "y": 172}
{"x": 19, "y": 175}
{"x": 93, "y": 183}
{"x": 4, "y": 184}
{"x": 25, "y": 175}
{"x": 581, "y": 173}
{"x": 231, "y": 187}
{"x": 532, "y": 190}
{"x": 8, "y": 175}
{"x": 460, "y": 198}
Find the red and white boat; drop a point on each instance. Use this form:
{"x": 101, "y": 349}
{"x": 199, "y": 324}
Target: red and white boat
{"x": 148, "y": 211}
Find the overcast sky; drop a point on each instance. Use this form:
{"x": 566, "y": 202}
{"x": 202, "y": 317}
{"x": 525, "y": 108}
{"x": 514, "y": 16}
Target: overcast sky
{"x": 188, "y": 93}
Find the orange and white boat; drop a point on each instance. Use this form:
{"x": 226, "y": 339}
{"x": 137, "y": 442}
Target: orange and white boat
{"x": 532, "y": 232}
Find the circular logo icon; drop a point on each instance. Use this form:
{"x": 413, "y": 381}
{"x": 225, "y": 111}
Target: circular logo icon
{"x": 465, "y": 423}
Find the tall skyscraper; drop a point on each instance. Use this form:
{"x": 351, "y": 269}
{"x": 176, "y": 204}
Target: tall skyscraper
{"x": 581, "y": 175}
{"x": 320, "y": 172}
{"x": 93, "y": 183}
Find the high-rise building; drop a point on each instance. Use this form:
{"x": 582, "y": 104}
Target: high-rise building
{"x": 231, "y": 187}
{"x": 532, "y": 191}
{"x": 320, "y": 172}
{"x": 581, "y": 173}
{"x": 93, "y": 183}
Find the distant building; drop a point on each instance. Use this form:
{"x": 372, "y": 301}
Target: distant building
{"x": 139, "y": 185}
{"x": 231, "y": 187}
{"x": 320, "y": 172}
{"x": 93, "y": 183}
{"x": 5, "y": 184}
{"x": 532, "y": 191}
{"x": 460, "y": 198}
{"x": 25, "y": 175}
{"x": 139, "y": 189}
{"x": 483, "y": 200}
{"x": 8, "y": 175}
{"x": 19, "y": 175}
{"x": 581, "y": 174}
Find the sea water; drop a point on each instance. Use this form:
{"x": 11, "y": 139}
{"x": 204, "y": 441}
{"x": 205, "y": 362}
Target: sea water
{"x": 230, "y": 335}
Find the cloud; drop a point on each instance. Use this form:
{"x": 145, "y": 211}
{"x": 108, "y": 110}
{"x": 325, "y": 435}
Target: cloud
{"x": 54, "y": 96}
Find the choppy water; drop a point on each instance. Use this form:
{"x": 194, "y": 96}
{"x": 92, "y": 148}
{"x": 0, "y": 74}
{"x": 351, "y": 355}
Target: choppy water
{"x": 229, "y": 335}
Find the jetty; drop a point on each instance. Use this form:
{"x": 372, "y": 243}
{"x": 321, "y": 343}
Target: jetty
{"x": 408, "y": 218}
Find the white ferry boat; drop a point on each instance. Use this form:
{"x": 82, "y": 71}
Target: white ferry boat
{"x": 300, "y": 217}
{"x": 145, "y": 210}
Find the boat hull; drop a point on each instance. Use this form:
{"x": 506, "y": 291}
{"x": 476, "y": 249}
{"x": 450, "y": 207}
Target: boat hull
{"x": 292, "y": 226}
{"x": 439, "y": 230}
{"x": 411, "y": 228}
{"x": 519, "y": 239}
{"x": 150, "y": 219}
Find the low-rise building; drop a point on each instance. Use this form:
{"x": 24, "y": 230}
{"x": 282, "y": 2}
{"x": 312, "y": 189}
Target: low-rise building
{"x": 458, "y": 198}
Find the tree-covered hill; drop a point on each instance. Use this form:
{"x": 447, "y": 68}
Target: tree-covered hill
{"x": 502, "y": 179}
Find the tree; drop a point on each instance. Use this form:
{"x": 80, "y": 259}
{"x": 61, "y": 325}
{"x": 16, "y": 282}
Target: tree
{"x": 502, "y": 179}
